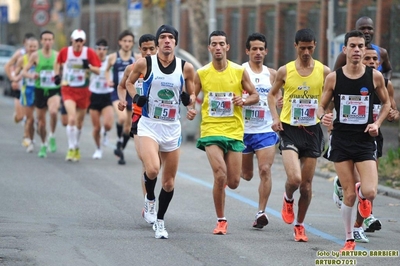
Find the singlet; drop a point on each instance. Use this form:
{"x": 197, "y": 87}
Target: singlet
{"x": 163, "y": 90}
{"x": 302, "y": 95}
{"x": 45, "y": 69}
{"x": 257, "y": 117}
{"x": 74, "y": 75}
{"x": 119, "y": 68}
{"x": 220, "y": 117}
{"x": 378, "y": 52}
{"x": 28, "y": 82}
{"x": 98, "y": 83}
{"x": 353, "y": 105}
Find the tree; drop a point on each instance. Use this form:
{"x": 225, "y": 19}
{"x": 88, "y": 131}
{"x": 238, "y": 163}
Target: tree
{"x": 199, "y": 28}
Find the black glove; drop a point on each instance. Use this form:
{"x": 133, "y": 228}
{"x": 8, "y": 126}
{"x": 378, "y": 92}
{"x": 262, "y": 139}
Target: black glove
{"x": 185, "y": 98}
{"x": 57, "y": 80}
{"x": 140, "y": 100}
{"x": 85, "y": 64}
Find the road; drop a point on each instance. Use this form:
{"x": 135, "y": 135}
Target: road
{"x": 54, "y": 212}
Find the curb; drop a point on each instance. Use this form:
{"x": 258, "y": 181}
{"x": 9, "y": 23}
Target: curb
{"x": 382, "y": 190}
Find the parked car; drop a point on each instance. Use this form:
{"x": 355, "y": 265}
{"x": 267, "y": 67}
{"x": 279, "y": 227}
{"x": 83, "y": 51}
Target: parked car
{"x": 6, "y": 52}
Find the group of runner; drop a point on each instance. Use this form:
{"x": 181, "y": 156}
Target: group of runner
{"x": 243, "y": 114}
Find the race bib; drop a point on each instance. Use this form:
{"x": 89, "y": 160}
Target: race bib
{"x": 120, "y": 75}
{"x": 164, "y": 110}
{"x": 76, "y": 77}
{"x": 376, "y": 111}
{"x": 47, "y": 79}
{"x": 255, "y": 115}
{"x": 304, "y": 112}
{"x": 220, "y": 104}
{"x": 354, "y": 109}
{"x": 28, "y": 81}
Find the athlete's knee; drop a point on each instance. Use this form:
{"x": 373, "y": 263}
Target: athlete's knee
{"x": 233, "y": 184}
{"x": 265, "y": 170}
{"x": 305, "y": 189}
{"x": 369, "y": 192}
{"x": 247, "y": 175}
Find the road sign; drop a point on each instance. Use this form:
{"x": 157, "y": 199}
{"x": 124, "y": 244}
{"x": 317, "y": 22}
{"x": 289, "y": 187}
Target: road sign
{"x": 3, "y": 14}
{"x": 41, "y": 17}
{"x": 73, "y": 8}
{"x": 40, "y": 4}
{"x": 135, "y": 14}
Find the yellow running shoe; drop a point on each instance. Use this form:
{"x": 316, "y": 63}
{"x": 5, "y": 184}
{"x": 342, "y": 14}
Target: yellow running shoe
{"x": 70, "y": 155}
{"x": 77, "y": 155}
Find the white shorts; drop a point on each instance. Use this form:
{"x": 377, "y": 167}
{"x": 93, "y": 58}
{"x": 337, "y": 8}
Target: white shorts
{"x": 167, "y": 135}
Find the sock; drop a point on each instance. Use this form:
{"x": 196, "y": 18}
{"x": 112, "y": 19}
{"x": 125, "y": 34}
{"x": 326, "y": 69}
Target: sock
{"x": 287, "y": 199}
{"x": 360, "y": 193}
{"x": 125, "y": 137}
{"x": 78, "y": 136}
{"x": 163, "y": 202}
{"x": 221, "y": 219}
{"x": 51, "y": 134}
{"x": 71, "y": 135}
{"x": 298, "y": 224}
{"x": 119, "y": 130}
{"x": 150, "y": 185}
{"x": 347, "y": 214}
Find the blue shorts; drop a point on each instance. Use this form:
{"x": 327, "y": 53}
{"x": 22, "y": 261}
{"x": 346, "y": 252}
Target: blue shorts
{"x": 27, "y": 97}
{"x": 128, "y": 98}
{"x": 255, "y": 142}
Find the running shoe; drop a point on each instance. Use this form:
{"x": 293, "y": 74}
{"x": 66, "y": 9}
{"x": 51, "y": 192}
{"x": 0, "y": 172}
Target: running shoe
{"x": 337, "y": 193}
{"x": 98, "y": 154}
{"x": 287, "y": 211}
{"x": 119, "y": 153}
{"x": 149, "y": 212}
{"x": 221, "y": 228}
{"x": 77, "y": 155}
{"x": 359, "y": 235}
{"x": 43, "y": 151}
{"x": 30, "y": 147}
{"x": 261, "y": 220}
{"x": 348, "y": 245}
{"x": 52, "y": 144}
{"x": 300, "y": 234}
{"x": 364, "y": 205}
{"x": 372, "y": 224}
{"x": 25, "y": 142}
{"x": 161, "y": 231}
{"x": 70, "y": 155}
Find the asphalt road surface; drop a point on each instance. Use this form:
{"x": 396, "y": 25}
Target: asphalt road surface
{"x": 54, "y": 212}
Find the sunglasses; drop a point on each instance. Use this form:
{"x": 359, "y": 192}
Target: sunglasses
{"x": 102, "y": 48}
{"x": 79, "y": 40}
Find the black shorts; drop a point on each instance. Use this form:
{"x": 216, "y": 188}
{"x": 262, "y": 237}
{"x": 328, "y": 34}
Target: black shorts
{"x": 135, "y": 122}
{"x": 349, "y": 150}
{"x": 99, "y": 101}
{"x": 15, "y": 94}
{"x": 306, "y": 141}
{"x": 379, "y": 145}
{"x": 42, "y": 96}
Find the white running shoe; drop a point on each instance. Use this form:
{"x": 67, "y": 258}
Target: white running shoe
{"x": 149, "y": 212}
{"x": 30, "y": 148}
{"x": 25, "y": 142}
{"x": 372, "y": 224}
{"x": 261, "y": 220}
{"x": 98, "y": 154}
{"x": 161, "y": 231}
{"x": 359, "y": 235}
{"x": 337, "y": 193}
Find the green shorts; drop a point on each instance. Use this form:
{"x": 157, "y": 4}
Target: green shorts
{"x": 226, "y": 144}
